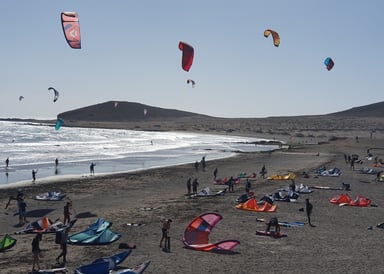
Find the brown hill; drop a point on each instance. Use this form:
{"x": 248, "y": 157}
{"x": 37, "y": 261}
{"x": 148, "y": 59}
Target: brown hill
{"x": 372, "y": 110}
{"x": 123, "y": 111}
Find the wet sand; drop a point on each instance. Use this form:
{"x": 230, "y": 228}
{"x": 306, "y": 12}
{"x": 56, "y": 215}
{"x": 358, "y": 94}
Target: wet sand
{"x": 340, "y": 242}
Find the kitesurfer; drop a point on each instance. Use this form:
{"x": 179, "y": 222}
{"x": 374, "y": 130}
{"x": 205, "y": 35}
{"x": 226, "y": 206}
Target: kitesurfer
{"x": 7, "y": 162}
{"x": 34, "y": 172}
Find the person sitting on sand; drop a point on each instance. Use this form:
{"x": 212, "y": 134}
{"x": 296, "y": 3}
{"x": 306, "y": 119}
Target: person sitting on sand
{"x": 273, "y": 222}
{"x": 165, "y": 235}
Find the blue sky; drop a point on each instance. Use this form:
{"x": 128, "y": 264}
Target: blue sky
{"x": 130, "y": 53}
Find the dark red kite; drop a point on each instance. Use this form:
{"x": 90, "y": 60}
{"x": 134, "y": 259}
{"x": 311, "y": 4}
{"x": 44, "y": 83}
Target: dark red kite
{"x": 188, "y": 53}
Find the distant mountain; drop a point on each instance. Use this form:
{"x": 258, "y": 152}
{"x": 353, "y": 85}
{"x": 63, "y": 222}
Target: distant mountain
{"x": 117, "y": 111}
{"x": 372, "y": 110}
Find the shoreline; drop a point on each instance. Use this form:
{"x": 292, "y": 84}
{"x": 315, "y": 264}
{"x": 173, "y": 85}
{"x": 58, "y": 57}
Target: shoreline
{"x": 339, "y": 243}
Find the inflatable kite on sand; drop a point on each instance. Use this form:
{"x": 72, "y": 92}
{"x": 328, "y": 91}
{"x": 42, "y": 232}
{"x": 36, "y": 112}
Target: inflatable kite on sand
{"x": 252, "y": 205}
{"x": 345, "y": 200}
{"x": 196, "y": 235}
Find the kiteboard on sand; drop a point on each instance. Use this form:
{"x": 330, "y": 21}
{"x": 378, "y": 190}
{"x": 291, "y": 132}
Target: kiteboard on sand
{"x": 50, "y": 271}
{"x": 270, "y": 234}
{"x": 136, "y": 270}
{"x": 284, "y": 224}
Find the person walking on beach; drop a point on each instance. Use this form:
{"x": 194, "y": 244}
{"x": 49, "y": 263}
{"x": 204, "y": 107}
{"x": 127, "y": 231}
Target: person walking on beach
{"x": 196, "y": 165}
{"x": 263, "y": 171}
{"x": 195, "y": 184}
{"x": 247, "y": 186}
{"x": 215, "y": 174}
{"x": 165, "y": 235}
{"x": 34, "y": 172}
{"x": 36, "y": 251}
{"x": 22, "y": 212}
{"x": 67, "y": 212}
{"x": 92, "y": 168}
{"x": 231, "y": 182}
{"x": 308, "y": 209}
{"x": 63, "y": 246}
{"x": 7, "y": 162}
{"x": 189, "y": 185}
{"x": 203, "y": 163}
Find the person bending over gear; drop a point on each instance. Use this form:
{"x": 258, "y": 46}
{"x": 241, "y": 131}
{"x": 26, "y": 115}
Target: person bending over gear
{"x": 273, "y": 222}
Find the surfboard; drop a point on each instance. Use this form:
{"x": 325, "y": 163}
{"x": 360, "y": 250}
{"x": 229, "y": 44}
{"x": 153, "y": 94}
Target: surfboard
{"x": 136, "y": 270}
{"x": 270, "y": 234}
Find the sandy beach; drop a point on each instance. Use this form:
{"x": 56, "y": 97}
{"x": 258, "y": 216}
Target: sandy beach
{"x": 340, "y": 242}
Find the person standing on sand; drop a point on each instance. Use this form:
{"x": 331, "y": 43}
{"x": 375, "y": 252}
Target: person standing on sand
{"x": 203, "y": 163}
{"x": 263, "y": 171}
{"x": 63, "y": 246}
{"x": 36, "y": 251}
{"x": 92, "y": 168}
{"x": 215, "y": 174}
{"x": 196, "y": 165}
{"x": 189, "y": 185}
{"x": 67, "y": 212}
{"x": 247, "y": 186}
{"x": 165, "y": 235}
{"x": 308, "y": 209}
{"x": 195, "y": 184}
{"x": 231, "y": 182}
{"x": 34, "y": 172}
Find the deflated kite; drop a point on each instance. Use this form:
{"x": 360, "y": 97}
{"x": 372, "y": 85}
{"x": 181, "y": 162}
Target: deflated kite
{"x": 188, "y": 54}
{"x": 196, "y": 235}
{"x": 55, "y": 94}
{"x": 275, "y": 36}
{"x": 328, "y": 62}
{"x": 71, "y": 28}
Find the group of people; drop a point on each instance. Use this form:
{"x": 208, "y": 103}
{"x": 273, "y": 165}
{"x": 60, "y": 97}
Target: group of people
{"x": 192, "y": 186}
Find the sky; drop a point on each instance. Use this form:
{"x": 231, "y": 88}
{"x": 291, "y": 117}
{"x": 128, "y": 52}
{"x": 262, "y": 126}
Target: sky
{"x": 130, "y": 53}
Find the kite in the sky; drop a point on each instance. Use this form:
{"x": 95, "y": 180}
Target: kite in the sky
{"x": 187, "y": 58}
{"x": 275, "y": 36}
{"x": 192, "y": 82}
{"x": 55, "y": 94}
{"x": 71, "y": 28}
{"x": 21, "y": 98}
{"x": 59, "y": 123}
{"x": 328, "y": 62}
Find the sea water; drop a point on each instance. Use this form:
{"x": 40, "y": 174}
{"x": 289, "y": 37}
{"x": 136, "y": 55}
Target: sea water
{"x": 35, "y": 146}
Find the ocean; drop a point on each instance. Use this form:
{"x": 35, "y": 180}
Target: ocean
{"x": 36, "y": 146}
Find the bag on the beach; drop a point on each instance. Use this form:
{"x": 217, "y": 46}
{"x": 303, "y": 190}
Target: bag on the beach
{"x": 58, "y": 237}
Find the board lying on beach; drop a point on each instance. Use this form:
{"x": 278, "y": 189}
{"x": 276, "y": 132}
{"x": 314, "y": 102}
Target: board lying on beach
{"x": 272, "y": 234}
{"x": 49, "y": 196}
{"x": 136, "y": 270}
{"x": 50, "y": 271}
{"x": 114, "y": 260}
{"x": 284, "y": 224}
